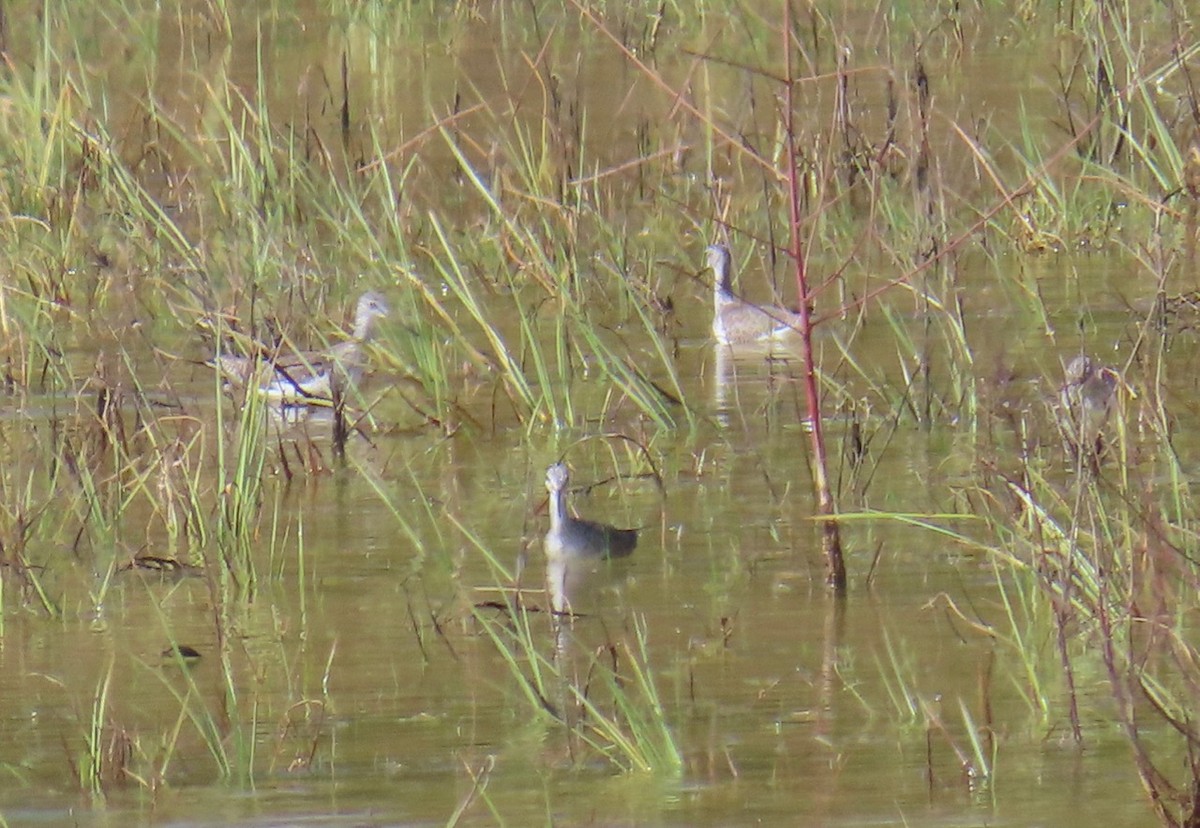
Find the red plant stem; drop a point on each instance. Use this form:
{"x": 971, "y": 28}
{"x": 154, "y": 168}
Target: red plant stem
{"x": 835, "y": 565}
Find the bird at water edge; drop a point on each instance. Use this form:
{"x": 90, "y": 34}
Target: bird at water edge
{"x": 312, "y": 377}
{"x": 1085, "y": 402}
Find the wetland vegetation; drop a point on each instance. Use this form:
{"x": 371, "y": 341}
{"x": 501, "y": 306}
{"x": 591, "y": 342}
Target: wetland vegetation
{"x": 919, "y": 562}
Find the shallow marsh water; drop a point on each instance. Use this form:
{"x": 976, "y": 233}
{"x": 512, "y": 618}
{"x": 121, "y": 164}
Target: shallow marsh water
{"x": 356, "y": 685}
{"x": 779, "y": 696}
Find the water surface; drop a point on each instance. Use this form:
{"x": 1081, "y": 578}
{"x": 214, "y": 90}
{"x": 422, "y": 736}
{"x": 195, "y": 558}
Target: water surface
{"x": 346, "y": 672}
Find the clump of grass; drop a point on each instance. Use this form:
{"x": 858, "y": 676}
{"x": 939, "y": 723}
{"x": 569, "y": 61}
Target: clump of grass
{"x": 1093, "y": 562}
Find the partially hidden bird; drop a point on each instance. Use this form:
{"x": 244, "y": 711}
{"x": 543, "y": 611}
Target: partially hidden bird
{"x": 309, "y": 377}
{"x": 1085, "y": 402}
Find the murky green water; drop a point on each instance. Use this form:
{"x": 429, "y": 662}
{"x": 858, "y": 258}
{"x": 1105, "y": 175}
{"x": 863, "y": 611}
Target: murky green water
{"x": 354, "y": 684}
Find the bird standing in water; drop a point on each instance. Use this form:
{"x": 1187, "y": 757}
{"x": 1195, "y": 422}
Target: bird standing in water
{"x": 736, "y": 321}
{"x": 313, "y": 377}
{"x": 572, "y": 537}
{"x": 1085, "y": 402}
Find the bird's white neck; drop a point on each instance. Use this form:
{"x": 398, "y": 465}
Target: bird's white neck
{"x": 364, "y": 325}
{"x": 558, "y": 509}
{"x": 719, "y": 261}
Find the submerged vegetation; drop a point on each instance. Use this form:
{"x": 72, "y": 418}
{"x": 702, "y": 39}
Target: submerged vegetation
{"x": 533, "y": 191}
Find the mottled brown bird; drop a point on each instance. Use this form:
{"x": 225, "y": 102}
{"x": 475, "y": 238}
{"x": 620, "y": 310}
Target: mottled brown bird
{"x": 313, "y": 377}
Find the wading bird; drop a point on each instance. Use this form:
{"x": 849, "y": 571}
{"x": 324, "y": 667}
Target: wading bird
{"x": 736, "y": 321}
{"x": 1085, "y": 402}
{"x": 572, "y": 537}
{"x": 313, "y": 377}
